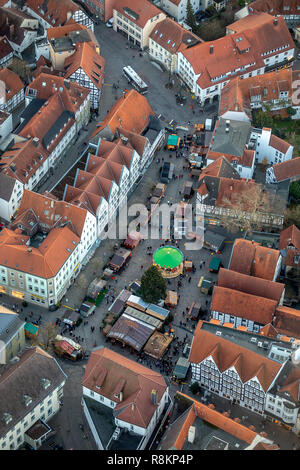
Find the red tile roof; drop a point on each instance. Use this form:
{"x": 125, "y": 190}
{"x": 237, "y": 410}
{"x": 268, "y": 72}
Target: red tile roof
{"x": 287, "y": 321}
{"x": 279, "y": 144}
{"x": 50, "y": 212}
{"x": 269, "y": 330}
{"x": 54, "y": 12}
{"x": 138, "y": 11}
{"x": 248, "y": 364}
{"x": 250, "y": 284}
{"x": 248, "y": 257}
{"x": 101, "y": 171}
{"x": 245, "y": 160}
{"x": 258, "y": 33}
{"x": 130, "y": 113}
{"x": 43, "y": 121}
{"x": 13, "y": 84}
{"x": 5, "y": 47}
{"x": 239, "y": 304}
{"x": 290, "y": 237}
{"x": 287, "y": 170}
{"x": 61, "y": 31}
{"x": 87, "y": 59}
{"x": 23, "y": 159}
{"x": 172, "y": 36}
{"x": 236, "y": 95}
{"x": 214, "y": 418}
{"x": 275, "y": 7}
{"x": 138, "y": 382}
{"x": 71, "y": 93}
{"x": 44, "y": 261}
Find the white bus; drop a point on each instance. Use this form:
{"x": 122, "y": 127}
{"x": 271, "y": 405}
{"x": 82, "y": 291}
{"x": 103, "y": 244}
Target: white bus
{"x": 135, "y": 80}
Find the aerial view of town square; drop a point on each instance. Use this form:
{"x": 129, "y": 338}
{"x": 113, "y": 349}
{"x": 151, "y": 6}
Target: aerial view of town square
{"x": 149, "y": 227}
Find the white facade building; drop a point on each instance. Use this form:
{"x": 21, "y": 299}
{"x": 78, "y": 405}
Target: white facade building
{"x": 270, "y": 147}
{"x": 31, "y": 391}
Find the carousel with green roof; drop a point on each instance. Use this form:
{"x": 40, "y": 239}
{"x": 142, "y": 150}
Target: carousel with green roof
{"x": 169, "y": 260}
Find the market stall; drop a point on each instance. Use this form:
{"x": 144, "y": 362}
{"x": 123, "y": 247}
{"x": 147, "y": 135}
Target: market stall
{"x": 157, "y": 344}
{"x": 171, "y": 299}
{"x": 119, "y": 259}
{"x": 132, "y": 240}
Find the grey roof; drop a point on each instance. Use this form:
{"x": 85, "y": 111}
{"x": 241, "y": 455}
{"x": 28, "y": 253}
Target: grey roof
{"x": 29, "y": 112}
{"x": 242, "y": 338}
{"x": 103, "y": 419}
{"x": 213, "y": 238}
{"x": 155, "y": 123}
{"x": 133, "y": 312}
{"x": 7, "y": 184}
{"x": 278, "y": 194}
{"x": 131, "y": 331}
{"x": 206, "y": 434}
{"x": 25, "y": 378}
{"x": 234, "y": 141}
{"x": 170, "y": 436}
{"x": 10, "y": 323}
{"x": 56, "y": 128}
{"x": 181, "y": 368}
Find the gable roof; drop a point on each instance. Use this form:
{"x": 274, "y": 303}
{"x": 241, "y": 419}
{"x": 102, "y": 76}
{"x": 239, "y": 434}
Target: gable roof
{"x": 250, "y": 40}
{"x": 275, "y": 7}
{"x": 172, "y": 36}
{"x": 290, "y": 236}
{"x": 44, "y": 261}
{"x": 287, "y": 321}
{"x": 287, "y": 170}
{"x": 221, "y": 167}
{"x": 130, "y": 113}
{"x": 237, "y": 94}
{"x": 225, "y": 354}
{"x": 5, "y": 47}
{"x": 7, "y": 184}
{"x": 13, "y": 83}
{"x": 248, "y": 257}
{"x": 23, "y": 159}
{"x": 71, "y": 93}
{"x": 138, "y": 11}
{"x": 105, "y": 371}
{"x": 241, "y": 304}
{"x": 25, "y": 378}
{"x": 86, "y": 58}
{"x": 54, "y": 12}
{"x": 250, "y": 284}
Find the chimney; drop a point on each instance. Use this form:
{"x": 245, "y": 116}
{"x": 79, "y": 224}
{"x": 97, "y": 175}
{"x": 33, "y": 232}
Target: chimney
{"x": 154, "y": 397}
{"x": 67, "y": 84}
{"x": 132, "y": 406}
{"x": 211, "y": 49}
{"x": 275, "y": 21}
{"x": 29, "y": 249}
{"x": 35, "y": 141}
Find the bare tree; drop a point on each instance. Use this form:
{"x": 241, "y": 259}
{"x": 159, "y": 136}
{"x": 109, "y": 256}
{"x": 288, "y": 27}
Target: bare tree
{"x": 46, "y": 335}
{"x": 252, "y": 208}
{"x": 292, "y": 216}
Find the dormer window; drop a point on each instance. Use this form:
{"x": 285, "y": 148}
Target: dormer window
{"x": 45, "y": 383}
{"x": 7, "y": 418}
{"x": 27, "y": 400}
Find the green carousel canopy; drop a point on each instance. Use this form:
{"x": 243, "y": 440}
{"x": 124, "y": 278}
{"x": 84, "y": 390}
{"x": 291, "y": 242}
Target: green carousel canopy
{"x": 168, "y": 257}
